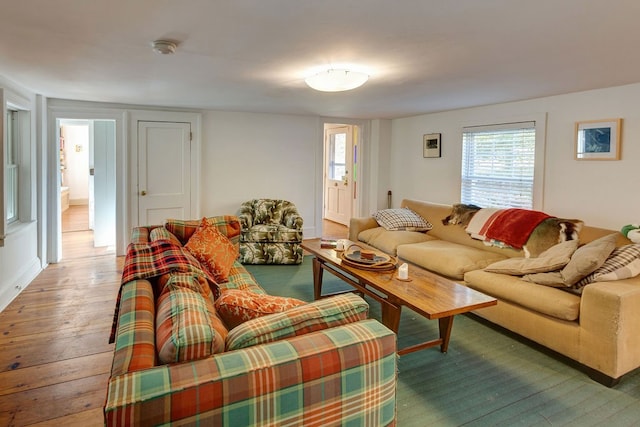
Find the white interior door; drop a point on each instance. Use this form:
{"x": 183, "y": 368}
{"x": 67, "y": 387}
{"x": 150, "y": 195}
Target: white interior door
{"x": 103, "y": 170}
{"x": 338, "y": 182}
{"x": 164, "y": 171}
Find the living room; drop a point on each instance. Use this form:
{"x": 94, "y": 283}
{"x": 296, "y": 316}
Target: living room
{"x": 242, "y": 152}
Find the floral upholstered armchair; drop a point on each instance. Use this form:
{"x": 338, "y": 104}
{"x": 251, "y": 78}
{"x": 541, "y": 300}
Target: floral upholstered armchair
{"x": 271, "y": 232}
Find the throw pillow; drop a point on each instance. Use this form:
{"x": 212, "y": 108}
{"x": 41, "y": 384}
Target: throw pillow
{"x": 552, "y": 259}
{"x": 586, "y": 259}
{"x": 228, "y": 225}
{"x": 552, "y": 278}
{"x": 321, "y": 314}
{"x": 401, "y": 219}
{"x": 184, "y": 327}
{"x": 214, "y": 251}
{"x": 161, "y": 233}
{"x": 236, "y": 306}
{"x": 623, "y": 263}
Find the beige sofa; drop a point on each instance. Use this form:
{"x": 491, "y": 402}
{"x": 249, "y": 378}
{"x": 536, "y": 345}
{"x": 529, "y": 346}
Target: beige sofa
{"x": 599, "y": 329}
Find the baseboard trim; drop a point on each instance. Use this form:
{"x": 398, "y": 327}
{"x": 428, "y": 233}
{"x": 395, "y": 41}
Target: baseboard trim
{"x": 14, "y": 287}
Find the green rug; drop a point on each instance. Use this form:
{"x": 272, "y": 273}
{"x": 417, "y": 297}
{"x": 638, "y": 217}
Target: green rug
{"x": 487, "y": 378}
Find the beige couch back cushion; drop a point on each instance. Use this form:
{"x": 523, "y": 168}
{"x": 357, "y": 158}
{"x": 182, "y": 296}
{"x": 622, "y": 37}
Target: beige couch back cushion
{"x": 434, "y": 213}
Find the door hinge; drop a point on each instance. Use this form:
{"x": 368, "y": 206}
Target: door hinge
{"x": 190, "y": 136}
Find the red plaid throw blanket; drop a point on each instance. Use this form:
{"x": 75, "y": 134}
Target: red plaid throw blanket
{"x": 147, "y": 260}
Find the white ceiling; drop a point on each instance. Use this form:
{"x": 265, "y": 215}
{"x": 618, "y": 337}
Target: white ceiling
{"x": 252, "y": 55}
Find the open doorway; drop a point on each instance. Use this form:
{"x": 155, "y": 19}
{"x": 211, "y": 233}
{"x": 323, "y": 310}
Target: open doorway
{"x": 87, "y": 187}
{"x": 340, "y": 177}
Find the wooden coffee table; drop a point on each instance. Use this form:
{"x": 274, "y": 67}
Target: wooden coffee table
{"x": 427, "y": 293}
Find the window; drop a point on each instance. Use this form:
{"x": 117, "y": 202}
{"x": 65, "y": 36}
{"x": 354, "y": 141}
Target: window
{"x": 337, "y": 156}
{"x": 16, "y": 163}
{"x": 498, "y": 165}
{"x": 11, "y": 167}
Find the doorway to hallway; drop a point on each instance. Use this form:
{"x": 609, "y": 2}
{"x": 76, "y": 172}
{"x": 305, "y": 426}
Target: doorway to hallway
{"x": 87, "y": 186}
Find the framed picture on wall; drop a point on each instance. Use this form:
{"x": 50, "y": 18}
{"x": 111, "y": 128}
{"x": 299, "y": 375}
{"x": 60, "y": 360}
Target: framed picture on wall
{"x": 431, "y": 145}
{"x": 598, "y": 139}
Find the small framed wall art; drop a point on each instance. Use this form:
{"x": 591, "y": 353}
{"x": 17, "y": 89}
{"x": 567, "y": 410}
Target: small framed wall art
{"x": 598, "y": 139}
{"x": 431, "y": 145}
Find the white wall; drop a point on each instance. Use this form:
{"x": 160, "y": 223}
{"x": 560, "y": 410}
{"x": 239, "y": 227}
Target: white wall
{"x": 19, "y": 260}
{"x": 602, "y": 193}
{"x": 246, "y": 156}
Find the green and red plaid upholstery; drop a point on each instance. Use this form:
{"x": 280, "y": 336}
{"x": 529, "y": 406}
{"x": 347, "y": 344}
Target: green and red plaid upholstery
{"x": 338, "y": 376}
{"x": 322, "y": 314}
{"x": 135, "y": 347}
{"x": 342, "y": 375}
{"x": 184, "y": 326}
{"x": 153, "y": 259}
{"x": 240, "y": 278}
{"x": 161, "y": 233}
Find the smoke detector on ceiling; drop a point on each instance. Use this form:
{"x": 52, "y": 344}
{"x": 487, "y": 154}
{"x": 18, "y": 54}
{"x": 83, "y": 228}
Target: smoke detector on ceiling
{"x": 164, "y": 47}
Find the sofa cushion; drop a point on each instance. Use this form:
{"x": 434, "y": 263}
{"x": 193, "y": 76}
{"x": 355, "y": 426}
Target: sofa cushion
{"x": 271, "y": 233}
{"x": 161, "y": 233}
{"x": 228, "y": 225}
{"x": 554, "y": 258}
{"x": 185, "y": 327}
{"x": 402, "y": 219}
{"x": 550, "y": 278}
{"x": 388, "y": 241}
{"x": 214, "y": 251}
{"x": 236, "y": 306}
{"x": 542, "y": 299}
{"x": 240, "y": 278}
{"x": 588, "y": 258}
{"x": 322, "y": 314}
{"x": 447, "y": 258}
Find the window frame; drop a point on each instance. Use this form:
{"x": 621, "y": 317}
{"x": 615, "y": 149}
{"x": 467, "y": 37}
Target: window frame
{"x": 23, "y": 156}
{"x": 12, "y": 162}
{"x": 540, "y": 125}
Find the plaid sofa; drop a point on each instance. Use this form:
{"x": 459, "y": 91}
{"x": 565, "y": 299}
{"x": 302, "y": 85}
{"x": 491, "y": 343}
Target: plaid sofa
{"x": 339, "y": 375}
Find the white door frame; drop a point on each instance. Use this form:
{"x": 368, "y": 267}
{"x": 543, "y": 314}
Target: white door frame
{"x": 53, "y": 212}
{"x": 364, "y": 139}
{"x": 163, "y": 116}
{"x": 339, "y": 184}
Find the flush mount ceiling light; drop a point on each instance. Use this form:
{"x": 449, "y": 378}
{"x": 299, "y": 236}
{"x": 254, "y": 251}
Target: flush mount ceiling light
{"x": 164, "y": 47}
{"x": 336, "y": 80}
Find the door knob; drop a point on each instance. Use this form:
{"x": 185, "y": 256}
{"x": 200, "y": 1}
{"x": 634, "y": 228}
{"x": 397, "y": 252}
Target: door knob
{"x": 143, "y": 193}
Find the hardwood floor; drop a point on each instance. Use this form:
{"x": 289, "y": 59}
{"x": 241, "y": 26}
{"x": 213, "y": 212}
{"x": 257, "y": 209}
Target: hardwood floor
{"x": 55, "y": 358}
{"x": 333, "y": 230}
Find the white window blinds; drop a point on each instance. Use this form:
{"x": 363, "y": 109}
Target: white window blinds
{"x": 498, "y": 164}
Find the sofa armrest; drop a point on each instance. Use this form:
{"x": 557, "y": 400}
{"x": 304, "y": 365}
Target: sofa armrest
{"x": 279, "y": 383}
{"x": 357, "y": 225}
{"x": 321, "y": 314}
{"x": 610, "y": 326}
{"x": 135, "y": 347}
{"x": 293, "y": 221}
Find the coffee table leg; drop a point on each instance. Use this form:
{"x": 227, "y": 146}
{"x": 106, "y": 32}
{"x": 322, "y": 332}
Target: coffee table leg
{"x": 391, "y": 316}
{"x": 445, "y": 325}
{"x": 317, "y": 279}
